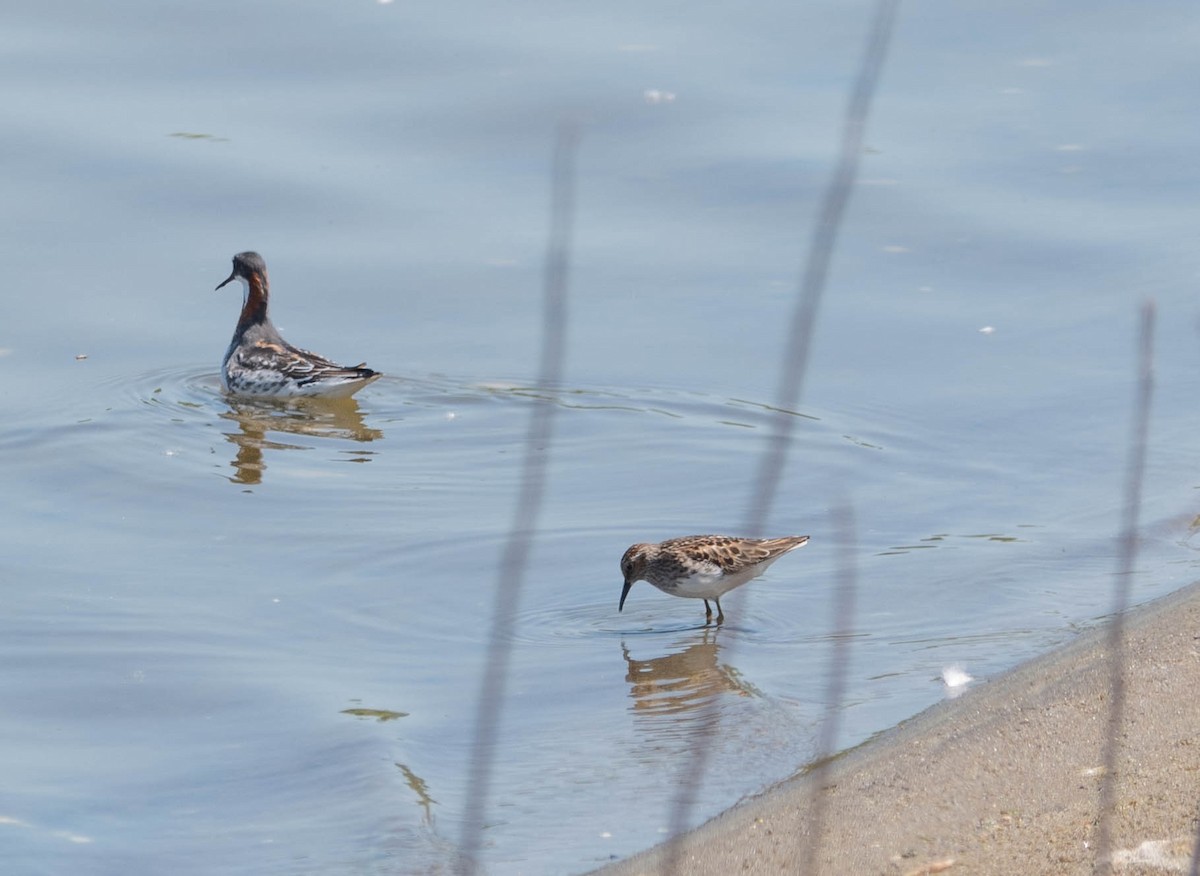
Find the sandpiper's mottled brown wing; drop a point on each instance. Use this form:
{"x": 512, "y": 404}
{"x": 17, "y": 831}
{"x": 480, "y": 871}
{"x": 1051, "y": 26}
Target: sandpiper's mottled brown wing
{"x": 768, "y": 548}
{"x": 731, "y": 554}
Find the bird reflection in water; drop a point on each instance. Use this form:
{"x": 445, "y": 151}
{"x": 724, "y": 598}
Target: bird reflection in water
{"x": 308, "y": 417}
{"x": 680, "y": 684}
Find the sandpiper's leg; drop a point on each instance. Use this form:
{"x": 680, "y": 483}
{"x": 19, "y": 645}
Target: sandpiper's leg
{"x": 720, "y": 614}
{"x": 708, "y": 611}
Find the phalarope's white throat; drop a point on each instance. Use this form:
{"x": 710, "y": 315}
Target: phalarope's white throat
{"x": 703, "y": 566}
{"x": 259, "y": 362}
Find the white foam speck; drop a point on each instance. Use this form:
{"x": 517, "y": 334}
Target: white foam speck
{"x": 955, "y": 677}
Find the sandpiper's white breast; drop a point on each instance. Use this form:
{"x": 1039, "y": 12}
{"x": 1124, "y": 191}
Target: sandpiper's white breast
{"x": 707, "y": 583}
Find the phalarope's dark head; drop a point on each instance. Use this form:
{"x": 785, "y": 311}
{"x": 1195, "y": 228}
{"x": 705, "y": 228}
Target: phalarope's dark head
{"x": 245, "y": 266}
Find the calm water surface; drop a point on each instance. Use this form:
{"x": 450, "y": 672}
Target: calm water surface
{"x": 247, "y": 637}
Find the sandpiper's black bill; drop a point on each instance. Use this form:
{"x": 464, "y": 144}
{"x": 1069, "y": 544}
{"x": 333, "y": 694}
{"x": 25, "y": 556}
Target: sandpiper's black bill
{"x": 228, "y": 279}
{"x": 624, "y": 593}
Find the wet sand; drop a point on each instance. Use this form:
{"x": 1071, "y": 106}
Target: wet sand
{"x": 1005, "y": 779}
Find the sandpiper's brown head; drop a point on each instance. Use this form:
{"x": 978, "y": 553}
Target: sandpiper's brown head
{"x": 633, "y": 567}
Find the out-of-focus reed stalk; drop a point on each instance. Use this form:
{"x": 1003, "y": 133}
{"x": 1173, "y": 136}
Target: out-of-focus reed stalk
{"x": 529, "y": 501}
{"x": 794, "y": 365}
{"x": 1135, "y": 468}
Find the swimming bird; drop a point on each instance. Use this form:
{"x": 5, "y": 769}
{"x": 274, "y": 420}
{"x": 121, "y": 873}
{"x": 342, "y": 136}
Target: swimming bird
{"x": 259, "y": 362}
{"x": 703, "y": 566}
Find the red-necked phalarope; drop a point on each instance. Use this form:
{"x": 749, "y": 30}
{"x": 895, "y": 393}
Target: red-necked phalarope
{"x": 703, "y": 566}
{"x": 259, "y": 362}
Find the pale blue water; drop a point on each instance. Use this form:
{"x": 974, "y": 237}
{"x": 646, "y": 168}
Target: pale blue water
{"x": 195, "y": 591}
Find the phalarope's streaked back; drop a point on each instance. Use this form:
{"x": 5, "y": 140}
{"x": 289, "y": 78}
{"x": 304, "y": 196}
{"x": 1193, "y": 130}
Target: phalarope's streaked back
{"x": 259, "y": 362}
{"x": 703, "y": 566}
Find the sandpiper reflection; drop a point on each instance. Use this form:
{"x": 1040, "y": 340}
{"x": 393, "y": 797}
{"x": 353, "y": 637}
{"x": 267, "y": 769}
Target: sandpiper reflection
{"x": 682, "y": 683}
{"x": 313, "y": 418}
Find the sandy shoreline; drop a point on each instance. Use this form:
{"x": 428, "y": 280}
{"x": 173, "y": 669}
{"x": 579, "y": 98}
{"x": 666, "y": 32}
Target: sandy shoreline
{"x": 1005, "y": 779}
